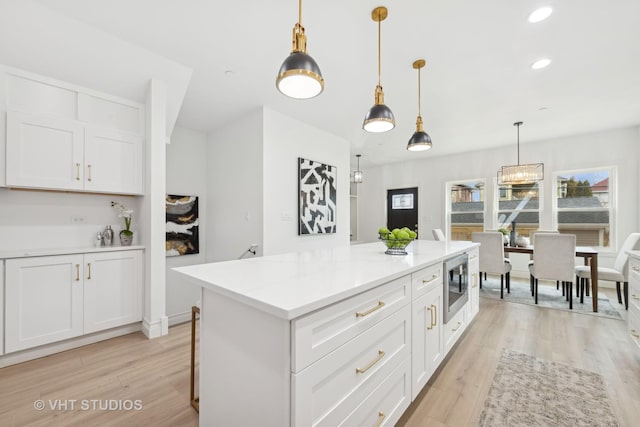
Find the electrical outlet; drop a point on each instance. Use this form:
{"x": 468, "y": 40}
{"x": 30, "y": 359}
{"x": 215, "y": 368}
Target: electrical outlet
{"x": 78, "y": 220}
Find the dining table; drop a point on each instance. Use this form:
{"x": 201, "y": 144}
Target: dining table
{"x": 590, "y": 256}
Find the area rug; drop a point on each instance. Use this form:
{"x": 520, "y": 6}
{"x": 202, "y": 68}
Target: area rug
{"x": 549, "y": 296}
{"x": 527, "y": 391}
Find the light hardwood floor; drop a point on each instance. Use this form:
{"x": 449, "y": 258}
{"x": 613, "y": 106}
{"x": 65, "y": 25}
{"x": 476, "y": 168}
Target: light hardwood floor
{"x": 156, "y": 372}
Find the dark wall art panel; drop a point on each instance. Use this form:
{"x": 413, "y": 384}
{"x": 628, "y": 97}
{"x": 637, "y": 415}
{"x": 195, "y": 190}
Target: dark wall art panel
{"x": 182, "y": 225}
{"x": 317, "y": 197}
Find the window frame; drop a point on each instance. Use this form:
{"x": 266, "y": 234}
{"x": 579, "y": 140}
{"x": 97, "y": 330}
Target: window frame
{"x": 496, "y": 206}
{"x": 448, "y": 211}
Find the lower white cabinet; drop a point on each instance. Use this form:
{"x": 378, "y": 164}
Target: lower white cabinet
{"x": 427, "y": 343}
{"x": 474, "y": 282}
{"x": 52, "y": 298}
{"x": 1, "y": 307}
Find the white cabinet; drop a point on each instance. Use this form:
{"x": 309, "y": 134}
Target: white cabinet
{"x": 1, "y": 307}
{"x": 53, "y": 298}
{"x": 633, "y": 318}
{"x": 43, "y": 301}
{"x": 474, "y": 282}
{"x": 427, "y": 343}
{"x": 112, "y": 289}
{"x": 56, "y": 153}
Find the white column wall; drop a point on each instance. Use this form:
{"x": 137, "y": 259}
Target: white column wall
{"x": 286, "y": 139}
{"x": 186, "y": 175}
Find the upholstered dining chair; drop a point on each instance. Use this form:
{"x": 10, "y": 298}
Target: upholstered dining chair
{"x": 554, "y": 258}
{"x": 491, "y": 259}
{"x": 619, "y": 273}
{"x": 533, "y": 242}
{"x": 438, "y": 235}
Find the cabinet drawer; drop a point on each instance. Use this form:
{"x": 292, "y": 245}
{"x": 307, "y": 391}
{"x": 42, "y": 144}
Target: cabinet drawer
{"x": 386, "y": 404}
{"x": 634, "y": 326}
{"x": 321, "y": 332}
{"x": 634, "y": 291}
{"x": 326, "y": 392}
{"x": 454, "y": 328}
{"x": 426, "y": 279}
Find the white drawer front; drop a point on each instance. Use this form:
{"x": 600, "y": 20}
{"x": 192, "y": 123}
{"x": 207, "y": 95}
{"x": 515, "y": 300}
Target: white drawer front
{"x": 634, "y": 325}
{"x": 634, "y": 293}
{"x": 426, "y": 279}
{"x": 386, "y": 404}
{"x": 454, "y": 328}
{"x": 321, "y": 332}
{"x": 325, "y": 393}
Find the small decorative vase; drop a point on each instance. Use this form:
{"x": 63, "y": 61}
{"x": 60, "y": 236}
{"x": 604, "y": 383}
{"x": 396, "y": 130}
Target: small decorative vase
{"x": 125, "y": 239}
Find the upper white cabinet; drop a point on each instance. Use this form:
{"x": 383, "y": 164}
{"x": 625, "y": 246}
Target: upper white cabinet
{"x": 63, "y": 137}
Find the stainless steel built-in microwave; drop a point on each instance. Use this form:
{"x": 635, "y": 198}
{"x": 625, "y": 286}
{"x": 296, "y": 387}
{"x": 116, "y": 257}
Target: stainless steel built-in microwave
{"x": 456, "y": 285}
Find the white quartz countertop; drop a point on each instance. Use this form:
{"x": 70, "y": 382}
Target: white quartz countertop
{"x": 294, "y": 284}
{"x": 24, "y": 253}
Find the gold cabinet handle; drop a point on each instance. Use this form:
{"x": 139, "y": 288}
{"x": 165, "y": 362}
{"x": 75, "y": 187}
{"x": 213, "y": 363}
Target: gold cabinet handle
{"x": 635, "y": 297}
{"x": 433, "y": 277}
{"x": 381, "y": 416}
{"x": 370, "y": 365}
{"x": 77, "y": 171}
{"x": 89, "y": 171}
{"x": 435, "y": 315}
{"x": 475, "y": 280}
{"x": 77, "y": 272}
{"x": 635, "y": 268}
{"x": 89, "y": 267}
{"x": 634, "y": 333}
{"x": 457, "y": 327}
{"x": 429, "y": 309}
{"x": 371, "y": 310}
{"x": 473, "y": 257}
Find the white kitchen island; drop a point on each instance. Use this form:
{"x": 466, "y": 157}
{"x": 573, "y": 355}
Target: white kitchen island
{"x": 324, "y": 337}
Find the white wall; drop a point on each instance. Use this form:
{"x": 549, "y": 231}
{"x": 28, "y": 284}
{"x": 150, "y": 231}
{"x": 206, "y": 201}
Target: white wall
{"x": 619, "y": 147}
{"x": 186, "y": 175}
{"x": 234, "y": 188}
{"x": 286, "y": 139}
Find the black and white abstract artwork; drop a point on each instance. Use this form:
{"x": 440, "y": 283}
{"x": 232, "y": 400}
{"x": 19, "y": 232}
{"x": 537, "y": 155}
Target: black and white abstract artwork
{"x": 182, "y": 225}
{"x": 317, "y": 191}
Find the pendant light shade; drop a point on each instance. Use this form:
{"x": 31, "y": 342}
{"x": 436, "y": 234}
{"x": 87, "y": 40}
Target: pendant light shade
{"x": 420, "y": 140}
{"x": 357, "y": 174}
{"x": 520, "y": 174}
{"x": 379, "y": 118}
{"x": 299, "y": 76}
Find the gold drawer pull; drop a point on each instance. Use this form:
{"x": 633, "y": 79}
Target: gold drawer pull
{"x": 433, "y": 277}
{"x": 435, "y": 315}
{"x": 371, "y": 310}
{"x": 635, "y": 268}
{"x": 89, "y": 266}
{"x": 473, "y": 257}
{"x": 634, "y": 296}
{"x": 430, "y": 310}
{"x": 77, "y": 272}
{"x": 370, "y": 365}
{"x": 457, "y": 327}
{"x": 634, "y": 333}
{"x": 381, "y": 416}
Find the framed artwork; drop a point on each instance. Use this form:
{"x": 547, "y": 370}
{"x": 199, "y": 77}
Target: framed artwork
{"x": 182, "y": 225}
{"x": 317, "y": 197}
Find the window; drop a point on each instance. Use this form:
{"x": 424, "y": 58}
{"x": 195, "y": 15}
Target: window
{"x": 520, "y": 205}
{"x": 466, "y": 209}
{"x": 583, "y": 204}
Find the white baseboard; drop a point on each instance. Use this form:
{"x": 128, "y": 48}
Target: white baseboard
{"x": 176, "y": 319}
{"x": 57, "y": 347}
{"x": 155, "y": 329}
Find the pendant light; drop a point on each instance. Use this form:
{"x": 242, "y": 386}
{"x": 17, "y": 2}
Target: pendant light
{"x": 420, "y": 141}
{"x": 379, "y": 118}
{"x": 357, "y": 174}
{"x": 520, "y": 174}
{"x": 299, "y": 76}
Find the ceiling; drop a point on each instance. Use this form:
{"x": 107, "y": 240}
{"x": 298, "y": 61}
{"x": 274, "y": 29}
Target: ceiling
{"x": 476, "y": 83}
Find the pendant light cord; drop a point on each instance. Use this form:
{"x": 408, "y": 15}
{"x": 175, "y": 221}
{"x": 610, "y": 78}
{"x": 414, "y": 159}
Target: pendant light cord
{"x": 300, "y": 12}
{"x": 419, "y": 105}
{"x": 518, "y": 126}
{"x": 379, "y": 20}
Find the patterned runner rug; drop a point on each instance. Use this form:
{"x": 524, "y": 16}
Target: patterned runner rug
{"x": 550, "y": 297}
{"x": 527, "y": 391}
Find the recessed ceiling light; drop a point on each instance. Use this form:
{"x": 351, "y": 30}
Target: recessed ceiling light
{"x": 541, "y": 63}
{"x": 540, "y": 14}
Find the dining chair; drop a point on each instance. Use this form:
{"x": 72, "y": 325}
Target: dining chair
{"x": 554, "y": 259}
{"x": 619, "y": 273}
{"x": 438, "y": 235}
{"x": 533, "y": 242}
{"x": 491, "y": 259}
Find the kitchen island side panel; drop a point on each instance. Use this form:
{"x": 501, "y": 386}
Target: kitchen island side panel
{"x": 244, "y": 365}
